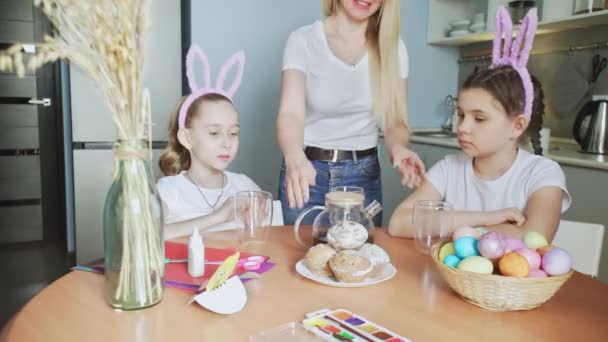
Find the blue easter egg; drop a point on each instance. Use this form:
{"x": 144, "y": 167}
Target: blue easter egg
{"x": 465, "y": 247}
{"x": 451, "y": 260}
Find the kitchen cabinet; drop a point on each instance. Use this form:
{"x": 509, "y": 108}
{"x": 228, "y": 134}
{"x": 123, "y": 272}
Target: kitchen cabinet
{"x": 555, "y": 15}
{"x": 588, "y": 188}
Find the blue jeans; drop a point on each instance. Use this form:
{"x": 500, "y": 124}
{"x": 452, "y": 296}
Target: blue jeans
{"x": 364, "y": 173}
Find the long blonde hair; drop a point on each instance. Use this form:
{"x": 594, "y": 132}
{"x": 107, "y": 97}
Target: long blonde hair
{"x": 176, "y": 157}
{"x": 383, "y": 39}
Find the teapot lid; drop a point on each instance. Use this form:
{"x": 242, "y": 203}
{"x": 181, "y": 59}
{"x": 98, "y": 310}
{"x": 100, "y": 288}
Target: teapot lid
{"x": 344, "y": 198}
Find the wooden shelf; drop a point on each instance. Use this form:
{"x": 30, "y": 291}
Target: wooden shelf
{"x": 570, "y": 23}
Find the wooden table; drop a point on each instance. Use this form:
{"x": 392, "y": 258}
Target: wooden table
{"x": 416, "y": 303}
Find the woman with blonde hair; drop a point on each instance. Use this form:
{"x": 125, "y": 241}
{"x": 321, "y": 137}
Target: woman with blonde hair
{"x": 344, "y": 78}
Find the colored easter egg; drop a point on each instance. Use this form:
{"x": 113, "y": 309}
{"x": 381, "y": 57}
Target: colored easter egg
{"x": 476, "y": 264}
{"x": 513, "y": 264}
{"x": 557, "y": 262}
{"x": 543, "y": 250}
{"x": 465, "y": 231}
{"x": 531, "y": 255}
{"x": 466, "y": 247}
{"x": 492, "y": 245}
{"x": 534, "y": 240}
{"x": 446, "y": 249}
{"x": 536, "y": 273}
{"x": 513, "y": 244}
{"x": 451, "y": 260}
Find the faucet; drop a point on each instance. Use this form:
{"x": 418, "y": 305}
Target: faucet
{"x": 451, "y": 121}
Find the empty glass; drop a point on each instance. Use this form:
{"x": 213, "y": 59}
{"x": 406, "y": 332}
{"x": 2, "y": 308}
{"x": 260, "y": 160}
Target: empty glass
{"x": 253, "y": 211}
{"x": 432, "y": 221}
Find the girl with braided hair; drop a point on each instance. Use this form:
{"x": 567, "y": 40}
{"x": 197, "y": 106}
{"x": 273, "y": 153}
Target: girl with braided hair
{"x": 494, "y": 183}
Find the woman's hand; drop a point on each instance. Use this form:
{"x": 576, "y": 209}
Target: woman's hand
{"x": 409, "y": 165}
{"x": 508, "y": 215}
{"x": 299, "y": 176}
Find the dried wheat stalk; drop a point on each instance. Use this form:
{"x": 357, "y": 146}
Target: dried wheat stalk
{"x": 105, "y": 38}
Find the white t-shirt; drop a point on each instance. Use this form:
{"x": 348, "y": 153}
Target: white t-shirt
{"x": 338, "y": 95}
{"x": 454, "y": 178}
{"x": 185, "y": 202}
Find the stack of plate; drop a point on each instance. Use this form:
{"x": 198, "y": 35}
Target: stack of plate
{"x": 459, "y": 28}
{"x": 477, "y": 27}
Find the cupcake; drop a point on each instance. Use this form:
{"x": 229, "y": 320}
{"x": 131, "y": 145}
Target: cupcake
{"x": 317, "y": 259}
{"x": 376, "y": 254}
{"x": 350, "y": 266}
{"x": 347, "y": 235}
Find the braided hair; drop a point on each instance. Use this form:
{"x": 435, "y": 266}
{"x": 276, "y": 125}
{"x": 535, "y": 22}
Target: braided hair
{"x": 505, "y": 85}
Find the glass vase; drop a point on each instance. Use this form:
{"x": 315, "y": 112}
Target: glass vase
{"x": 133, "y": 231}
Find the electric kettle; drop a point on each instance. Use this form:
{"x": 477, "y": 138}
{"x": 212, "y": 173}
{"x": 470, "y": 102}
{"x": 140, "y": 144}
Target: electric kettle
{"x": 591, "y": 126}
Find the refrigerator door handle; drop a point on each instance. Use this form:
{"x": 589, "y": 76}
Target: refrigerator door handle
{"x": 45, "y": 101}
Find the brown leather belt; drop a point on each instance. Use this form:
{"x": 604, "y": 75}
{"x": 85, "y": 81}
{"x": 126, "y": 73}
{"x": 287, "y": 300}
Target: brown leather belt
{"x": 316, "y": 153}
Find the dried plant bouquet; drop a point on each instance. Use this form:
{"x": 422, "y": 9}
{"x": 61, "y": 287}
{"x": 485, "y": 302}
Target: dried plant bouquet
{"x": 105, "y": 38}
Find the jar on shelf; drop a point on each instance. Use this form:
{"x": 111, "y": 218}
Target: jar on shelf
{"x": 519, "y": 9}
{"x": 588, "y": 6}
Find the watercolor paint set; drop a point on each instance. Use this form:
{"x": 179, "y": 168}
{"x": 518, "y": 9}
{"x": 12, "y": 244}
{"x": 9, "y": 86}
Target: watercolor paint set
{"x": 343, "y": 325}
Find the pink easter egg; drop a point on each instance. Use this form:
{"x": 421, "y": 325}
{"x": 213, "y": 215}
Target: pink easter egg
{"x": 465, "y": 231}
{"x": 514, "y": 244}
{"x": 492, "y": 245}
{"x": 557, "y": 262}
{"x": 536, "y": 273}
{"x": 531, "y": 255}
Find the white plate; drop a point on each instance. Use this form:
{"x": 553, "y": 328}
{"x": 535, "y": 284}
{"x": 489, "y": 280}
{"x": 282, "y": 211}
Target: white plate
{"x": 459, "y": 33}
{"x": 388, "y": 272}
{"x": 460, "y": 23}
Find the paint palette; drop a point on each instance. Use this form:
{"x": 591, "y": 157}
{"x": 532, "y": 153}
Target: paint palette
{"x": 343, "y": 325}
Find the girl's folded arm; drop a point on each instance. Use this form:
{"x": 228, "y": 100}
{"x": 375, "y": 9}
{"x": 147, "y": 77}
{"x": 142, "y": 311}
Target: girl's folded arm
{"x": 543, "y": 214}
{"x": 184, "y": 228}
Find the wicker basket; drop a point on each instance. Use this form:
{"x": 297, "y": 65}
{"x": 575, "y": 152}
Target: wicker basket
{"x": 499, "y": 293}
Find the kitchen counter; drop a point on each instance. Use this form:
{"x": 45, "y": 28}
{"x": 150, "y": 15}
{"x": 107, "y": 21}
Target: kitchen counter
{"x": 563, "y": 151}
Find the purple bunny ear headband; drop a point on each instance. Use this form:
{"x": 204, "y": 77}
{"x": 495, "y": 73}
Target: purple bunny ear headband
{"x": 195, "y": 51}
{"x": 513, "y": 54}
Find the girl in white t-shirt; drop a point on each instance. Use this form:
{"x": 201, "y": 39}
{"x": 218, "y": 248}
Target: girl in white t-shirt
{"x": 203, "y": 141}
{"x": 494, "y": 183}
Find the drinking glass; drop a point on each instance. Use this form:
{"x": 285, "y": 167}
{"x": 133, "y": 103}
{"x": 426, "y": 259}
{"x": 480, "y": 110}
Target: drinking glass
{"x": 432, "y": 222}
{"x": 253, "y": 211}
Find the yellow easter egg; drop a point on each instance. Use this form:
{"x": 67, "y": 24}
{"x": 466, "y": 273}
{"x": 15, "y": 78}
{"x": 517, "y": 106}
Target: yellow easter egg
{"x": 446, "y": 250}
{"x": 476, "y": 264}
{"x": 534, "y": 240}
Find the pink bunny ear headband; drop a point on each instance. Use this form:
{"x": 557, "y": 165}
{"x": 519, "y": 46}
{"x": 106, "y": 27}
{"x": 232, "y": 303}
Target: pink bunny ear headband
{"x": 237, "y": 59}
{"x": 513, "y": 54}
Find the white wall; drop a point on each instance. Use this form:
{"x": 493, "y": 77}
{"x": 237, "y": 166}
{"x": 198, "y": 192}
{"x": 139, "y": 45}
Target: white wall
{"x": 433, "y": 70}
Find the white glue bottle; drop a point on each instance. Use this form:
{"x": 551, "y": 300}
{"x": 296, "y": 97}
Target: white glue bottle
{"x": 196, "y": 255}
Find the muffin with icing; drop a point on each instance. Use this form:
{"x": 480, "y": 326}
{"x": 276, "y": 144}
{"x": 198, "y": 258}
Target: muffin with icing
{"x": 350, "y": 266}
{"x": 376, "y": 254}
{"x": 317, "y": 259}
{"x": 347, "y": 235}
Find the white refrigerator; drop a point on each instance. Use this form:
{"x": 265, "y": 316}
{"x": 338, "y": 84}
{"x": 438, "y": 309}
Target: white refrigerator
{"x": 93, "y": 131}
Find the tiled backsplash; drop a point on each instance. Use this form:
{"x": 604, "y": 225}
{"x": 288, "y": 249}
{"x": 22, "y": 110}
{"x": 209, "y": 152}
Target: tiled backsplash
{"x": 564, "y": 75}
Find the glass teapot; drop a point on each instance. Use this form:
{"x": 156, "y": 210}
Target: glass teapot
{"x": 343, "y": 220}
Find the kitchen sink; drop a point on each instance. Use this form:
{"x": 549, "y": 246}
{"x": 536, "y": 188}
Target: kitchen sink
{"x": 434, "y": 134}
